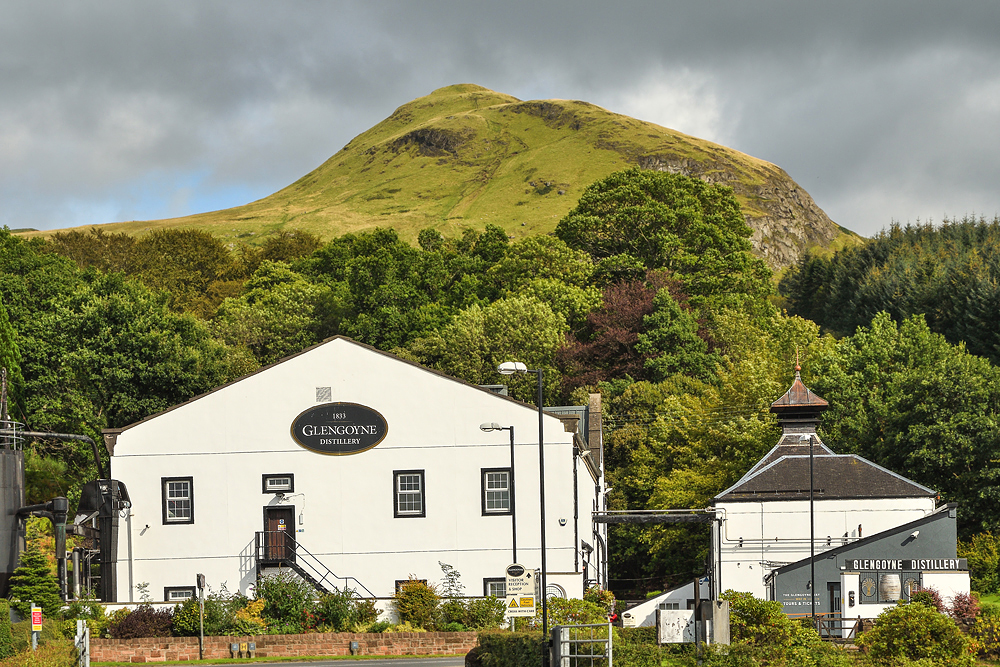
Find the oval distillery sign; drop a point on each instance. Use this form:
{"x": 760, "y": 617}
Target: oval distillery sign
{"x": 339, "y": 428}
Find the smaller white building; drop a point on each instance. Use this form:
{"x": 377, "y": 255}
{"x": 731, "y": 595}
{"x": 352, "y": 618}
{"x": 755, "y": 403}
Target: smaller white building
{"x": 356, "y": 468}
{"x": 766, "y": 527}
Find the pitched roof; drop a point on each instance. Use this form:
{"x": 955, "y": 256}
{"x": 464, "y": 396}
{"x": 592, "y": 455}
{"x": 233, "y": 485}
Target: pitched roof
{"x": 799, "y": 396}
{"x": 835, "y": 476}
{"x": 114, "y": 432}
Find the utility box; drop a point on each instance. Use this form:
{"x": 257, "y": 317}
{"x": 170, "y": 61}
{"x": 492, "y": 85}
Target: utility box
{"x": 716, "y": 613}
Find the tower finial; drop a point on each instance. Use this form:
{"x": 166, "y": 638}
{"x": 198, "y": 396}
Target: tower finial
{"x": 797, "y": 366}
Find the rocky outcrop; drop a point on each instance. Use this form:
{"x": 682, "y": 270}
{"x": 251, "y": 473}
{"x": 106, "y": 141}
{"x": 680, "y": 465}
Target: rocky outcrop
{"x": 784, "y": 218}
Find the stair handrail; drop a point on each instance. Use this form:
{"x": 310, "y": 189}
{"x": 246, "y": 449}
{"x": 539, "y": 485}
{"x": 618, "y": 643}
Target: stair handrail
{"x": 319, "y": 567}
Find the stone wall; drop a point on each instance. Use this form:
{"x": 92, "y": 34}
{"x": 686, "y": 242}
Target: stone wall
{"x": 159, "y": 649}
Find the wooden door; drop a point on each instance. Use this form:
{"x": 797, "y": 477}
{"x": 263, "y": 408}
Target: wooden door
{"x": 279, "y": 535}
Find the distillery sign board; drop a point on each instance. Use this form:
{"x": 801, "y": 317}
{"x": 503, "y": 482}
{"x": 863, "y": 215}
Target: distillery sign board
{"x": 906, "y": 564}
{"x": 339, "y": 428}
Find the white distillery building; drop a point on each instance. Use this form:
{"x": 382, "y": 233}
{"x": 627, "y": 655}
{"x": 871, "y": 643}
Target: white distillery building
{"x": 875, "y": 534}
{"x": 355, "y": 467}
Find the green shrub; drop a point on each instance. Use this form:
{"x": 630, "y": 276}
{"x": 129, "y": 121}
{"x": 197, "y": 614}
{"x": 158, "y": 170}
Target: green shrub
{"x": 186, "y": 621}
{"x": 51, "y": 635}
{"x": 758, "y": 622}
{"x": 221, "y": 610}
{"x": 376, "y": 627}
{"x": 983, "y": 554}
{"x": 602, "y": 598}
{"x": 287, "y": 599}
{"x": 511, "y": 649}
{"x": 928, "y": 596}
{"x": 51, "y": 655}
{"x": 915, "y": 631}
{"x": 418, "y": 603}
{"x": 341, "y": 611}
{"x": 485, "y": 613}
{"x": 643, "y": 635}
{"x": 985, "y": 633}
{"x": 6, "y": 633}
{"x": 638, "y": 655}
{"x": 453, "y": 612}
{"x": 87, "y": 609}
{"x": 248, "y": 622}
{"x": 572, "y": 611}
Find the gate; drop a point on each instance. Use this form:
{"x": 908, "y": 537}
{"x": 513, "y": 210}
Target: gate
{"x": 82, "y": 644}
{"x": 582, "y": 645}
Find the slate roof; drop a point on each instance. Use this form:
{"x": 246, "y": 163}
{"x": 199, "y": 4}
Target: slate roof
{"x": 835, "y": 476}
{"x": 799, "y": 396}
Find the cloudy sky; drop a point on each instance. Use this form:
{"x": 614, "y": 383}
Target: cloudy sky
{"x": 129, "y": 110}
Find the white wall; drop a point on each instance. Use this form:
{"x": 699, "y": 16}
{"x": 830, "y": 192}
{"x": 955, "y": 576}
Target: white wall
{"x": 777, "y": 533}
{"x": 644, "y": 614}
{"x": 227, "y": 439}
{"x": 948, "y": 584}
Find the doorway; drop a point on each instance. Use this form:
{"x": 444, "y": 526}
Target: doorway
{"x": 835, "y": 625}
{"x": 279, "y": 533}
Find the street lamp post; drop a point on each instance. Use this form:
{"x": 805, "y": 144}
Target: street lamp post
{"x": 510, "y": 368}
{"x": 493, "y": 426}
{"x": 812, "y": 531}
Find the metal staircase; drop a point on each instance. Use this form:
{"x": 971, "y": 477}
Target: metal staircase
{"x": 279, "y": 548}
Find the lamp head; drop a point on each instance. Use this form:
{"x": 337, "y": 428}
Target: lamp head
{"x": 489, "y": 426}
{"x": 511, "y": 367}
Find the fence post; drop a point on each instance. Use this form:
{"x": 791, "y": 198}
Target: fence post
{"x": 82, "y": 643}
{"x": 611, "y": 635}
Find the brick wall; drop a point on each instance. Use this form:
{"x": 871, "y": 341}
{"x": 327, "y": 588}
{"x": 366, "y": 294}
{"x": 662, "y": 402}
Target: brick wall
{"x": 159, "y": 649}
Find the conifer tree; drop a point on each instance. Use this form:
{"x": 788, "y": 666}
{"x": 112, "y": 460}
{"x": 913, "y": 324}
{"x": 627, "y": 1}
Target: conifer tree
{"x": 32, "y": 581}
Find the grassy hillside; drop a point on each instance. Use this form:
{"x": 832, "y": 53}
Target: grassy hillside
{"x": 466, "y": 156}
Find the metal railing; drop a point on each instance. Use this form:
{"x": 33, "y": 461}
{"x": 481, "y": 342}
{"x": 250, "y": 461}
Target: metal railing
{"x": 832, "y": 625}
{"x": 281, "y": 548}
{"x": 11, "y": 434}
{"x": 582, "y": 645}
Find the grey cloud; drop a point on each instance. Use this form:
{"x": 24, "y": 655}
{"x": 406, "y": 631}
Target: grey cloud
{"x": 881, "y": 110}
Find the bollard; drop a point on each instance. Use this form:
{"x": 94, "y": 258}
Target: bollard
{"x": 354, "y": 648}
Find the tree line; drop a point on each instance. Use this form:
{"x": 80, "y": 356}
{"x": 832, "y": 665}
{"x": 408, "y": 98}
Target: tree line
{"x": 647, "y": 292}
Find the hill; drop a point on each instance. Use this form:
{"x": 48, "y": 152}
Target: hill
{"x": 465, "y": 156}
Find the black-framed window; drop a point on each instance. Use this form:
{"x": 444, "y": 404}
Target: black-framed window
{"x": 178, "y": 593}
{"x": 400, "y": 582}
{"x": 408, "y": 493}
{"x": 495, "y": 587}
{"x": 178, "y": 499}
{"x": 283, "y": 483}
{"x": 496, "y": 496}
